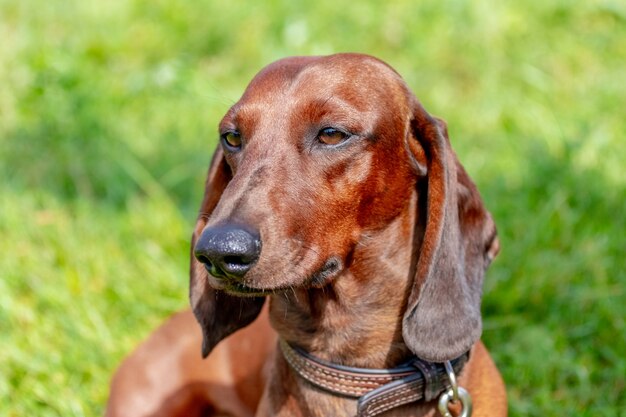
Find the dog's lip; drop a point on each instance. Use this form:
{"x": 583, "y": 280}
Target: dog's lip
{"x": 328, "y": 272}
{"x": 320, "y": 278}
{"x": 238, "y": 288}
{"x": 244, "y": 290}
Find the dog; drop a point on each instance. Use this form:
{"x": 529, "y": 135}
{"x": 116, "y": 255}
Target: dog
{"x": 336, "y": 197}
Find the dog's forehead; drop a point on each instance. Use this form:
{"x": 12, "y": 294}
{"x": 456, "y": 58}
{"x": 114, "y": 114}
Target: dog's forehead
{"x": 359, "y": 79}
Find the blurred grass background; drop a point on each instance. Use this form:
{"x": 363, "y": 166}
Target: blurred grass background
{"x": 108, "y": 115}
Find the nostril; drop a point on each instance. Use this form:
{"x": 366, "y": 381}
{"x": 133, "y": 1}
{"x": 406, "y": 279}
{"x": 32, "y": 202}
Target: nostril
{"x": 203, "y": 259}
{"x": 235, "y": 260}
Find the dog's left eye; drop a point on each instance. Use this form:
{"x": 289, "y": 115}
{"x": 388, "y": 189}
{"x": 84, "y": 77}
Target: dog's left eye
{"x": 331, "y": 136}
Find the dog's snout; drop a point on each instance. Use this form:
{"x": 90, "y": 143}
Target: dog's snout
{"x": 228, "y": 250}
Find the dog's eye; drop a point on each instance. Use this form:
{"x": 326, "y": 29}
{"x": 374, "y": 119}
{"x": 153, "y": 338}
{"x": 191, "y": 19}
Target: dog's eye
{"x": 232, "y": 140}
{"x": 331, "y": 136}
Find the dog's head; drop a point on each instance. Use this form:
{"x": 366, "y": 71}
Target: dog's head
{"x": 318, "y": 152}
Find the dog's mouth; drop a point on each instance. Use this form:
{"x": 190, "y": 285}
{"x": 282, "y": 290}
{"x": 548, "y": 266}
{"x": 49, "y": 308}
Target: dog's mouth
{"x": 236, "y": 287}
{"x": 247, "y": 291}
{"x": 320, "y": 278}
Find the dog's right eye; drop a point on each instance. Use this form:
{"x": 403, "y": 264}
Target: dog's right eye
{"x": 232, "y": 140}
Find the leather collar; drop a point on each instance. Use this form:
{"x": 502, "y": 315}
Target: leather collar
{"x": 377, "y": 390}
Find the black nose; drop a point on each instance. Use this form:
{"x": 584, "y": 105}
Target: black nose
{"x": 228, "y": 250}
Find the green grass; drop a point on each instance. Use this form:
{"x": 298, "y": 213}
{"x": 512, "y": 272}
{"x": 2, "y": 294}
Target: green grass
{"x": 108, "y": 114}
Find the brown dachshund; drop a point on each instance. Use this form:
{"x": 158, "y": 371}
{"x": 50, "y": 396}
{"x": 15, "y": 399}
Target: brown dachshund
{"x": 336, "y": 196}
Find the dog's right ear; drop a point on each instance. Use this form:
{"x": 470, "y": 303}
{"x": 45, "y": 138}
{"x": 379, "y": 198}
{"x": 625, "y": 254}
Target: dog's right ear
{"x": 218, "y": 313}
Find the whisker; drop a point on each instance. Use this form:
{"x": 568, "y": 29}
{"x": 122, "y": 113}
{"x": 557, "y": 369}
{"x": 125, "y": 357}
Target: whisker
{"x": 305, "y": 245}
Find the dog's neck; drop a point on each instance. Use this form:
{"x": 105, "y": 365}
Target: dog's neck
{"x": 356, "y": 320}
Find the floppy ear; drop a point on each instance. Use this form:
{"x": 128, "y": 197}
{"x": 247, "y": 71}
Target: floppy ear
{"x": 442, "y": 320}
{"x": 218, "y": 313}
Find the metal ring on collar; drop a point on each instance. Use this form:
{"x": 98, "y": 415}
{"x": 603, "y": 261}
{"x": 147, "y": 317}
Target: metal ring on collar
{"x": 447, "y": 397}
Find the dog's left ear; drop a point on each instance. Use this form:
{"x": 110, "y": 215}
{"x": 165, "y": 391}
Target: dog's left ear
{"x": 218, "y": 313}
{"x": 442, "y": 320}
